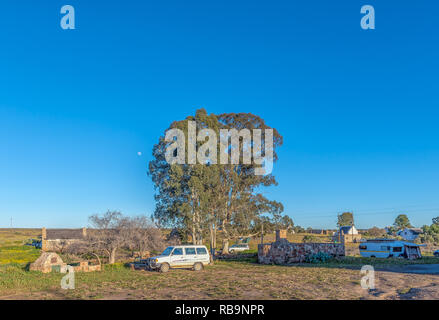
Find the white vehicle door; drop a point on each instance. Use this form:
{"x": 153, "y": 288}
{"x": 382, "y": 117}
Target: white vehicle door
{"x": 202, "y": 255}
{"x": 191, "y": 255}
{"x": 177, "y": 257}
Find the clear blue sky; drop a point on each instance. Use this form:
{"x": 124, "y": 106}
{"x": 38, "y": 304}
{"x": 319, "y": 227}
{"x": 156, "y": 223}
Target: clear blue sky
{"x": 358, "y": 109}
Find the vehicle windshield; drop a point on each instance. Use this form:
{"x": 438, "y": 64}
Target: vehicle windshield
{"x": 167, "y": 251}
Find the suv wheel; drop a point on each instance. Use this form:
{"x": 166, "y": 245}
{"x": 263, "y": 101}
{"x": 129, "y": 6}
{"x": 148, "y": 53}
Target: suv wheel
{"x": 198, "y": 266}
{"x": 164, "y": 267}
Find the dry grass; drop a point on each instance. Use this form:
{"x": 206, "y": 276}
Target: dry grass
{"x": 224, "y": 280}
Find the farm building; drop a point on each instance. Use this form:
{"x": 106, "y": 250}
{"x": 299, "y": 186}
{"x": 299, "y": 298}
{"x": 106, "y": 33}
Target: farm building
{"x": 58, "y": 239}
{"x": 409, "y": 234}
{"x": 347, "y": 234}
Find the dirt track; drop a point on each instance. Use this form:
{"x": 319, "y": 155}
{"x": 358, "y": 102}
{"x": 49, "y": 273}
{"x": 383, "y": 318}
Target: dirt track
{"x": 414, "y": 283}
{"x": 414, "y": 268}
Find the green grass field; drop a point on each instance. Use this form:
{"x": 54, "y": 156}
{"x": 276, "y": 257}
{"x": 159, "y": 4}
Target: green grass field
{"x": 12, "y": 248}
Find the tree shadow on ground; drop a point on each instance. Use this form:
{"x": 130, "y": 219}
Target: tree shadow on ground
{"x": 425, "y": 265}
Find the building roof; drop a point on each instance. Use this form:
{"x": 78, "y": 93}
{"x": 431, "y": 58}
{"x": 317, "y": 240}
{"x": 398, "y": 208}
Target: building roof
{"x": 53, "y": 234}
{"x": 396, "y": 241}
{"x": 414, "y": 230}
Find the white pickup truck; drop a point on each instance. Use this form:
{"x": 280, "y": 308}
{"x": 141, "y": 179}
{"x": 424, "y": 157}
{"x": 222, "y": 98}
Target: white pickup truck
{"x": 238, "y": 248}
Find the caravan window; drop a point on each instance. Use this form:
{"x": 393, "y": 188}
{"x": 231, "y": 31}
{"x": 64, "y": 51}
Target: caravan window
{"x": 363, "y": 247}
{"x": 397, "y": 249}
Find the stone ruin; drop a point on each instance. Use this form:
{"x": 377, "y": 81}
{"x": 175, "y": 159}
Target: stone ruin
{"x": 84, "y": 266}
{"x": 48, "y": 262}
{"x": 52, "y": 262}
{"x": 284, "y": 252}
{"x": 58, "y": 240}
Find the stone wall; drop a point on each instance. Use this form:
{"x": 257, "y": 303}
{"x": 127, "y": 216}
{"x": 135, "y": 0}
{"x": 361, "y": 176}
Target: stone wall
{"x": 352, "y": 249}
{"x": 84, "y": 266}
{"x": 58, "y": 240}
{"x": 58, "y": 245}
{"x": 347, "y": 238}
{"x": 50, "y": 261}
{"x": 284, "y": 252}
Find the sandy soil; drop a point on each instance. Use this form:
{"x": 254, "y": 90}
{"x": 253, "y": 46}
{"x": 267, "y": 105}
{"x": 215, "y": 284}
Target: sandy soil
{"x": 255, "y": 283}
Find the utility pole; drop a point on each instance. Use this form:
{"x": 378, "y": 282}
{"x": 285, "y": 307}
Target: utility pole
{"x": 11, "y": 222}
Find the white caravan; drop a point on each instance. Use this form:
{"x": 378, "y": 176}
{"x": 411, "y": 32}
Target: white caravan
{"x": 388, "y": 248}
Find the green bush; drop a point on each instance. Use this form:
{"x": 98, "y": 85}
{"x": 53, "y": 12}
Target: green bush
{"x": 321, "y": 257}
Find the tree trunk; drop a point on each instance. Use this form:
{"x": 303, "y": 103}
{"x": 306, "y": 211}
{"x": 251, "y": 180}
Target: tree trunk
{"x": 225, "y": 249}
{"x": 199, "y": 230}
{"x": 194, "y": 213}
{"x": 214, "y": 237}
{"x": 212, "y": 240}
{"x": 99, "y": 259}
{"x": 194, "y": 236}
{"x": 112, "y": 257}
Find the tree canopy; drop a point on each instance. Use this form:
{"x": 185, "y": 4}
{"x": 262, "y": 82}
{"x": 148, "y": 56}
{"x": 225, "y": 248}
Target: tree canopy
{"x": 345, "y": 219}
{"x": 402, "y": 221}
{"x": 207, "y": 197}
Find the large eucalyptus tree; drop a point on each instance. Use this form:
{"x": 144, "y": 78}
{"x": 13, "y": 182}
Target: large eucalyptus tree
{"x": 204, "y": 197}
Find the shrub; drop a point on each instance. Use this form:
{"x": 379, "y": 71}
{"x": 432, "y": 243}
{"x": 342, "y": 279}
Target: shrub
{"x": 321, "y": 257}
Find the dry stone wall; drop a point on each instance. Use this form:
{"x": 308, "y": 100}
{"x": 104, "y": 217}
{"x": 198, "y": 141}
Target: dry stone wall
{"x": 285, "y": 252}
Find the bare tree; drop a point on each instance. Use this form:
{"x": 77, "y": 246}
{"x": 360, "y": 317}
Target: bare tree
{"x": 83, "y": 248}
{"x": 144, "y": 235}
{"x": 110, "y": 232}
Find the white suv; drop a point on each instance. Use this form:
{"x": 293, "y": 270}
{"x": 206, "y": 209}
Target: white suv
{"x": 184, "y": 256}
